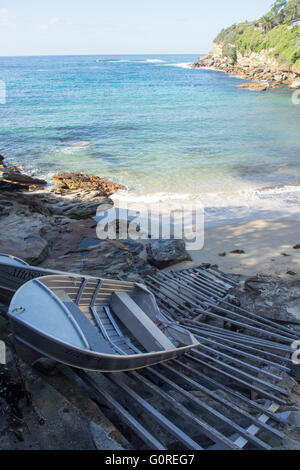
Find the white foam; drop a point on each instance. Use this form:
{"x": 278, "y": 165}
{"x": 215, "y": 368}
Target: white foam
{"x": 82, "y": 143}
{"x": 153, "y": 61}
{"x": 221, "y": 207}
{"x": 183, "y": 65}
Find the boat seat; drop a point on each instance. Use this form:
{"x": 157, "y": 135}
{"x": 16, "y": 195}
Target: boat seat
{"x": 139, "y": 324}
{"x": 91, "y": 333}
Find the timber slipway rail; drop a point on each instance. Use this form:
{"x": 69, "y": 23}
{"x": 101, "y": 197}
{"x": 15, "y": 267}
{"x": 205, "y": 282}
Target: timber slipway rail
{"x": 225, "y": 394}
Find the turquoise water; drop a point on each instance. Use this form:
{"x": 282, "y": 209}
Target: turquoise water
{"x": 150, "y": 122}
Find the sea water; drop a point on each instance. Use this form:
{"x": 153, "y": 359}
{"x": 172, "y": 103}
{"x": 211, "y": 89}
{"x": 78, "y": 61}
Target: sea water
{"x": 166, "y": 131}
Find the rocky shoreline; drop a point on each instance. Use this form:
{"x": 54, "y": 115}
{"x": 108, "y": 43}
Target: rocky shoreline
{"x": 261, "y": 68}
{"x": 54, "y": 227}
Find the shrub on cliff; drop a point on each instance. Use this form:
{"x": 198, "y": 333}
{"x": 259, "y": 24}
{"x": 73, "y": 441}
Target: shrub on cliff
{"x": 272, "y": 32}
{"x": 229, "y": 50}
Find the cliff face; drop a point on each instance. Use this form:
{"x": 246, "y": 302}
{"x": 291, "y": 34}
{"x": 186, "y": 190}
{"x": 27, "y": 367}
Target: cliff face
{"x": 253, "y": 65}
{"x": 266, "y": 49}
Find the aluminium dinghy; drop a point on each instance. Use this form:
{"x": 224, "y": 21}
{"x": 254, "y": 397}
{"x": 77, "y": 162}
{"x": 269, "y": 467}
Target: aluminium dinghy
{"x": 14, "y": 272}
{"x": 95, "y": 324}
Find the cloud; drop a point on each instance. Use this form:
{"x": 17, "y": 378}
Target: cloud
{"x": 6, "y": 20}
{"x": 54, "y": 20}
{"x": 51, "y": 22}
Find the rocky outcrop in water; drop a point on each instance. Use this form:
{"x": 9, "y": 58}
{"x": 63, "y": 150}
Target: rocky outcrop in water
{"x": 11, "y": 178}
{"x": 82, "y": 181}
{"x": 295, "y": 85}
{"x": 255, "y": 86}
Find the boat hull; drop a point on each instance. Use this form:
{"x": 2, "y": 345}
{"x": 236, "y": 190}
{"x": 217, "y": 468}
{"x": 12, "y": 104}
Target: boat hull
{"x": 12, "y": 277}
{"x": 88, "y": 360}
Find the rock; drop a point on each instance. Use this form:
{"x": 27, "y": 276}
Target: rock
{"x": 10, "y": 176}
{"x": 107, "y": 258}
{"x": 296, "y": 247}
{"x": 21, "y": 236}
{"x": 274, "y": 298}
{"x": 278, "y": 77}
{"x": 255, "y": 86}
{"x": 164, "y": 253}
{"x": 291, "y": 273}
{"x": 81, "y": 207}
{"x": 32, "y": 249}
{"x": 82, "y": 181}
{"x": 25, "y": 203}
{"x": 256, "y": 66}
{"x": 295, "y": 85}
{"x": 237, "y": 252}
{"x": 49, "y": 420}
{"x": 5, "y": 207}
{"x": 101, "y": 439}
{"x": 294, "y": 419}
{"x": 222, "y": 255}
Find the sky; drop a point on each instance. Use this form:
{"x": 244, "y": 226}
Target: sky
{"x": 55, "y": 27}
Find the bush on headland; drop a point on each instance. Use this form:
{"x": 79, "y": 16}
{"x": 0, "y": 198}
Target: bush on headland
{"x": 278, "y": 32}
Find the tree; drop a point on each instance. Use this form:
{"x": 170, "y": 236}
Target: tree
{"x": 292, "y": 10}
{"x": 266, "y": 23}
{"x": 277, "y": 11}
{"x": 278, "y": 6}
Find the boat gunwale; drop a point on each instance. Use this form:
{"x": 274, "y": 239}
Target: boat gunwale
{"x": 15, "y": 258}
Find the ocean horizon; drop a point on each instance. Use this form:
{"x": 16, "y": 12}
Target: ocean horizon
{"x": 150, "y": 122}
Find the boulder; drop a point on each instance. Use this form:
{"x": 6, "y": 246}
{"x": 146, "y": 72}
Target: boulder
{"x": 279, "y": 77}
{"x": 164, "y": 253}
{"x": 295, "y": 85}
{"x": 273, "y": 298}
{"x": 82, "y": 181}
{"x": 21, "y": 236}
{"x": 32, "y": 249}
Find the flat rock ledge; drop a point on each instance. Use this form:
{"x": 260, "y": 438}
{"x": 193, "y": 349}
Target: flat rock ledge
{"x": 255, "y": 86}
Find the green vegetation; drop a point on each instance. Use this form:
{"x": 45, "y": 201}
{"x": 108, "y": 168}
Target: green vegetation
{"x": 230, "y": 51}
{"x": 272, "y": 32}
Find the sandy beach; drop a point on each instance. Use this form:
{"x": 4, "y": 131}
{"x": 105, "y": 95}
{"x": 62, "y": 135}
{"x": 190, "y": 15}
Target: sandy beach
{"x": 265, "y": 243}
